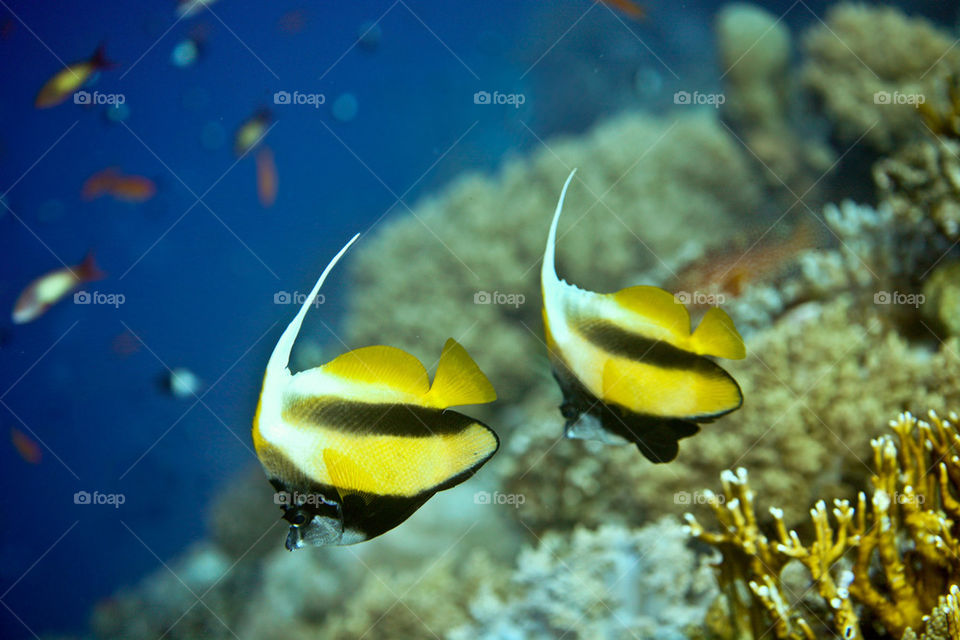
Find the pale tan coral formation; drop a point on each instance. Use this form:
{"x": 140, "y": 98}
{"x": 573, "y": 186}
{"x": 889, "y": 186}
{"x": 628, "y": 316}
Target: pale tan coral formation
{"x": 471, "y": 255}
{"x": 921, "y": 182}
{"x": 755, "y": 47}
{"x": 941, "y": 305}
{"x": 883, "y": 563}
{"x": 811, "y": 382}
{"x": 870, "y": 65}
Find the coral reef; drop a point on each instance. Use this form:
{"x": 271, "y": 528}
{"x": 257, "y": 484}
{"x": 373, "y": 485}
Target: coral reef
{"x": 881, "y": 564}
{"x": 941, "y": 293}
{"x": 869, "y": 67}
{"x": 611, "y": 582}
{"x": 755, "y": 46}
{"x": 645, "y": 188}
{"x": 921, "y": 183}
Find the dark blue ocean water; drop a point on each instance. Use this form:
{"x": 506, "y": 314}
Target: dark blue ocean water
{"x": 199, "y": 278}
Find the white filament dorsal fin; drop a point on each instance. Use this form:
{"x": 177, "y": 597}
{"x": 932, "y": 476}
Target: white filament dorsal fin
{"x": 548, "y": 273}
{"x": 277, "y": 366}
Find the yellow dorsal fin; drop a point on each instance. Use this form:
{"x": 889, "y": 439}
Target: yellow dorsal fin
{"x": 346, "y": 475}
{"x": 459, "y": 380}
{"x": 381, "y": 365}
{"x": 717, "y": 336}
{"x": 657, "y": 306}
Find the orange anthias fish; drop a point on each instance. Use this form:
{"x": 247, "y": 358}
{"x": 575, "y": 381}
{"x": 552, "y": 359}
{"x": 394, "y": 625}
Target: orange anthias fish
{"x": 631, "y": 9}
{"x": 729, "y": 270}
{"x": 251, "y": 132}
{"x": 126, "y": 188}
{"x": 48, "y": 289}
{"x": 70, "y": 79}
{"x": 266, "y": 177}
{"x": 28, "y": 449}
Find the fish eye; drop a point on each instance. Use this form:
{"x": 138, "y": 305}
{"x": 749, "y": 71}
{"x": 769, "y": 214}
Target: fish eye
{"x": 568, "y": 411}
{"x": 299, "y": 520}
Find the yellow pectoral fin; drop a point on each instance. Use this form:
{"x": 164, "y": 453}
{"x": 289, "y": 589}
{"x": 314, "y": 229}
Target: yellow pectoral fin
{"x": 704, "y": 391}
{"x": 459, "y": 380}
{"x": 656, "y": 306}
{"x": 717, "y": 336}
{"x": 381, "y": 365}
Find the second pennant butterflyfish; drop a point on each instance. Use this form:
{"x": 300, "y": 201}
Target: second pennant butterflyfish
{"x": 357, "y": 445}
{"x": 630, "y": 369}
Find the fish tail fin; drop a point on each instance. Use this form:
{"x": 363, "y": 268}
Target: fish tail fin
{"x": 717, "y": 336}
{"x": 548, "y": 273}
{"x": 89, "y": 270}
{"x": 99, "y": 58}
{"x": 459, "y": 380}
{"x": 280, "y": 358}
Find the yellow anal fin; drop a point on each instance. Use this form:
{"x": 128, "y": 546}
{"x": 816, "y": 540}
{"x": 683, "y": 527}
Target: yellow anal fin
{"x": 704, "y": 391}
{"x": 717, "y": 336}
{"x": 459, "y": 380}
{"x": 384, "y": 465}
{"x": 384, "y": 365}
{"x": 348, "y": 476}
{"x": 657, "y": 306}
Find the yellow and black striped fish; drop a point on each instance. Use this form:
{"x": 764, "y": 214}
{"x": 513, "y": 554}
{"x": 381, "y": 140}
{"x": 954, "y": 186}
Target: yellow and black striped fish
{"x": 355, "y": 446}
{"x": 628, "y": 365}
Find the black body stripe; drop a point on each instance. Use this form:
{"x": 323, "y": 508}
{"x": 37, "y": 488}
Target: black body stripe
{"x": 375, "y": 418}
{"x": 617, "y": 341}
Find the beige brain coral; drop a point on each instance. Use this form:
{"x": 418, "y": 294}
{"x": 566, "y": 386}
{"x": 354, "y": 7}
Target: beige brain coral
{"x": 810, "y": 383}
{"x": 862, "y": 51}
{"x": 645, "y": 187}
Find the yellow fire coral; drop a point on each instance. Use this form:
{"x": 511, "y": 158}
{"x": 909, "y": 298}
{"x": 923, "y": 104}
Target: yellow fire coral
{"x": 887, "y": 561}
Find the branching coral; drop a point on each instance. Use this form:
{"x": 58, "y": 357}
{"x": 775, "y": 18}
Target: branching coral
{"x": 922, "y": 185}
{"x": 871, "y": 65}
{"x": 645, "y": 188}
{"x": 882, "y": 563}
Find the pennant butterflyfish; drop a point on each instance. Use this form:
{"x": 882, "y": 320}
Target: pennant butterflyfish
{"x": 355, "y": 446}
{"x": 628, "y": 365}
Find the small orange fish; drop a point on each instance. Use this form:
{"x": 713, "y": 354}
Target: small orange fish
{"x": 28, "y": 449}
{"x": 126, "y": 188}
{"x": 293, "y": 21}
{"x": 50, "y": 288}
{"x": 729, "y": 270}
{"x": 70, "y": 79}
{"x": 125, "y": 344}
{"x": 631, "y": 9}
{"x": 251, "y": 132}
{"x": 266, "y": 177}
